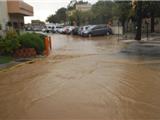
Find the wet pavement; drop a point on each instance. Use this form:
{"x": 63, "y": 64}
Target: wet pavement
{"x": 83, "y": 79}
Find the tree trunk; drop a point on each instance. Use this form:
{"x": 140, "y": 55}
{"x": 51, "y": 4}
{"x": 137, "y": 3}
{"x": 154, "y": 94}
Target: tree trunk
{"x": 123, "y": 25}
{"x": 152, "y": 22}
{"x": 139, "y": 21}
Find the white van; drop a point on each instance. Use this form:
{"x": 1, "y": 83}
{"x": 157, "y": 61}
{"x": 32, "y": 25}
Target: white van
{"x": 49, "y": 28}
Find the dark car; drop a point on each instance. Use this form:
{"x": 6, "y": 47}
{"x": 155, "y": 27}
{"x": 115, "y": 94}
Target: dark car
{"x": 75, "y": 31}
{"x": 80, "y": 30}
{"x": 97, "y": 30}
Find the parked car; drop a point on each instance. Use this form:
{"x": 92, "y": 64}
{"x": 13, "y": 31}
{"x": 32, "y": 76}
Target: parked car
{"x": 36, "y": 28}
{"x": 60, "y": 30}
{"x": 28, "y": 29}
{"x": 97, "y": 30}
{"x": 109, "y": 31}
{"x": 75, "y": 31}
{"x": 53, "y": 30}
{"x": 64, "y": 30}
{"x": 82, "y": 29}
{"x": 49, "y": 28}
{"x": 70, "y": 29}
{"x": 44, "y": 29}
{"x": 57, "y": 28}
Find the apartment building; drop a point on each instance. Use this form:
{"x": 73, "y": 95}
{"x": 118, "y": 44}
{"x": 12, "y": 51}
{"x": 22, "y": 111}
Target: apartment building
{"x": 80, "y": 6}
{"x": 13, "y": 12}
{"x": 83, "y": 7}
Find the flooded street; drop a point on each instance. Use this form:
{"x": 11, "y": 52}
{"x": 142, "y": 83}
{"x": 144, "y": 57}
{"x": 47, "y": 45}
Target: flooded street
{"x": 83, "y": 79}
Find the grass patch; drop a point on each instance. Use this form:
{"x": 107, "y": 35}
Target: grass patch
{"x": 5, "y": 59}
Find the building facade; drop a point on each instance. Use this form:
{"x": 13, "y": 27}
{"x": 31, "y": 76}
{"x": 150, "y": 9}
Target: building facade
{"x": 83, "y": 7}
{"x": 13, "y": 12}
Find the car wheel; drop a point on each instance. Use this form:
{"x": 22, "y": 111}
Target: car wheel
{"x": 107, "y": 33}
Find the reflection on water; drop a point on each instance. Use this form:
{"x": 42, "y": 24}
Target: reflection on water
{"x": 86, "y": 78}
{"x": 93, "y": 45}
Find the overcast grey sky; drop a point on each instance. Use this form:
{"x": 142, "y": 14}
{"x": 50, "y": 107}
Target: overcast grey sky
{"x": 44, "y": 8}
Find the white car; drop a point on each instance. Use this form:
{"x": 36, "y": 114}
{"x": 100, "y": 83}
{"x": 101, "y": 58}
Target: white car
{"x": 70, "y": 29}
{"x": 58, "y": 28}
{"x": 83, "y": 29}
{"x": 44, "y": 30}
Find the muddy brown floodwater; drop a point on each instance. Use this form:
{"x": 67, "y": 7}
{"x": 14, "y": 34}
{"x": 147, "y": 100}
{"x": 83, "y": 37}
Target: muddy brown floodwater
{"x": 83, "y": 79}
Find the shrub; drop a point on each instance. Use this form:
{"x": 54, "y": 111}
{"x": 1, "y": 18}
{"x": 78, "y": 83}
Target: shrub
{"x": 32, "y": 40}
{"x": 5, "y": 59}
{"x": 1, "y": 46}
{"x": 42, "y": 36}
{"x": 10, "y": 43}
{"x": 9, "y": 24}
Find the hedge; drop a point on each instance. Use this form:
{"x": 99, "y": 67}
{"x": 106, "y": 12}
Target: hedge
{"x": 10, "y": 43}
{"x": 32, "y": 40}
{"x": 13, "y": 41}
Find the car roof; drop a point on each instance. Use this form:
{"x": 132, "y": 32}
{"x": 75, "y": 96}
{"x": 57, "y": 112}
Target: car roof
{"x": 92, "y": 26}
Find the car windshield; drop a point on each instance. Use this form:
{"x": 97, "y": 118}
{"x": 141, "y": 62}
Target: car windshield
{"x": 91, "y": 27}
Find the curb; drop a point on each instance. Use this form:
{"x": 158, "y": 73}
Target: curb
{"x": 15, "y": 66}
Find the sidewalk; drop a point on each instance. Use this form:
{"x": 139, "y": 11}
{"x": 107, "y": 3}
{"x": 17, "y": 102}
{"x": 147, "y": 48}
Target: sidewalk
{"x": 7, "y": 65}
{"x": 146, "y": 47}
{"x": 151, "y": 36}
{"x": 15, "y": 63}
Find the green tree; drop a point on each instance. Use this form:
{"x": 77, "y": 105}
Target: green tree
{"x": 146, "y": 9}
{"x": 52, "y": 19}
{"x": 86, "y": 17}
{"x": 102, "y": 12}
{"x": 61, "y": 14}
{"x": 10, "y": 43}
{"x": 122, "y": 11}
{"x": 150, "y": 9}
{"x": 59, "y": 17}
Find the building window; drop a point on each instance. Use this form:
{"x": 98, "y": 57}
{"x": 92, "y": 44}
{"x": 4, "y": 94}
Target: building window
{"x": 15, "y": 24}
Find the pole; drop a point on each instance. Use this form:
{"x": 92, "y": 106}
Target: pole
{"x": 147, "y": 31}
{"x": 138, "y": 20}
{"x": 147, "y": 24}
{"x": 118, "y": 30}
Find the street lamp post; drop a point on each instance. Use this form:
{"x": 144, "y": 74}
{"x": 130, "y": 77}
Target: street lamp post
{"x": 147, "y": 23}
{"x": 138, "y": 20}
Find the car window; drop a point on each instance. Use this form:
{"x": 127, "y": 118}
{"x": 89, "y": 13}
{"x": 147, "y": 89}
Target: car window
{"x": 103, "y": 27}
{"x": 95, "y": 28}
{"x": 86, "y": 28}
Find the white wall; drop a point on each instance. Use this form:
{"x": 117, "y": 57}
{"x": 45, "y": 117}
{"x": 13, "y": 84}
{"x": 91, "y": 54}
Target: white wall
{"x": 3, "y": 14}
{"x": 117, "y": 30}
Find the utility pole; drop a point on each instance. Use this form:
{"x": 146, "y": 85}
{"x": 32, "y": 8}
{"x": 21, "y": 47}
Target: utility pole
{"x": 138, "y": 20}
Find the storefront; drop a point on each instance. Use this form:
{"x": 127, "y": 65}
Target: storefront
{"x": 12, "y": 13}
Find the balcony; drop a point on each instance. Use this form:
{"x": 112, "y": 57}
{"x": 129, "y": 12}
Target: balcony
{"x": 19, "y": 7}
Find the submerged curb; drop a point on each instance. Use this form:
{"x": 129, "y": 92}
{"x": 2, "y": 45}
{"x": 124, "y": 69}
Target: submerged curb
{"x": 16, "y": 66}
